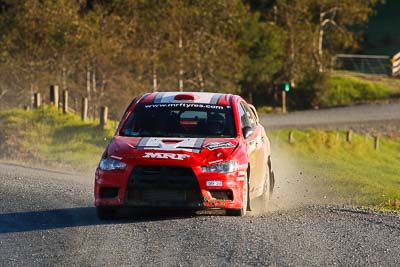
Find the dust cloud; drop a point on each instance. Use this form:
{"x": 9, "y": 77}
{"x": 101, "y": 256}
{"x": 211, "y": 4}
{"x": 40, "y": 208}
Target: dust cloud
{"x": 294, "y": 185}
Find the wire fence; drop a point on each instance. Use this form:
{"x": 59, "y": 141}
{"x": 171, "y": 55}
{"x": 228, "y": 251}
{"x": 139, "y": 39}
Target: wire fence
{"x": 368, "y": 64}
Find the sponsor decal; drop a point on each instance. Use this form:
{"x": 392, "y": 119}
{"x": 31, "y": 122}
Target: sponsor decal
{"x": 152, "y": 155}
{"x": 242, "y": 175}
{"x": 185, "y": 105}
{"x": 215, "y": 145}
{"x": 243, "y": 166}
{"x": 171, "y": 144}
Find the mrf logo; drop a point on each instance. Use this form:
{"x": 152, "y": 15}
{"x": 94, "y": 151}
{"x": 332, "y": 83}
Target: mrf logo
{"x": 151, "y": 155}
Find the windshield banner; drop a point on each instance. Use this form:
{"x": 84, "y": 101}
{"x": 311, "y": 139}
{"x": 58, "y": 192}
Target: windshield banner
{"x": 185, "y": 105}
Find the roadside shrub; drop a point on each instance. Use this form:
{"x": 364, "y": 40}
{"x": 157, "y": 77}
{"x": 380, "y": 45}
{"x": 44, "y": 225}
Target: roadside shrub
{"x": 265, "y": 109}
{"x": 46, "y": 135}
{"x": 307, "y": 93}
{"x": 321, "y": 90}
{"x": 342, "y": 90}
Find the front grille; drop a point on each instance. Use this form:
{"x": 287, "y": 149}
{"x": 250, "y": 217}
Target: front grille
{"x": 164, "y": 195}
{"x": 163, "y": 185}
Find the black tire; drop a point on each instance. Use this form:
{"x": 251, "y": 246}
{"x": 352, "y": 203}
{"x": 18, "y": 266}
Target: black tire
{"x": 272, "y": 183}
{"x": 105, "y": 213}
{"x": 245, "y": 203}
{"x": 271, "y": 177}
{"x": 263, "y": 200}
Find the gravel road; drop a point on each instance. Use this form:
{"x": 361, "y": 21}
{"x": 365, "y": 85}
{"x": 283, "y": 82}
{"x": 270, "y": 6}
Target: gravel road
{"x": 47, "y": 218}
{"x": 383, "y": 118}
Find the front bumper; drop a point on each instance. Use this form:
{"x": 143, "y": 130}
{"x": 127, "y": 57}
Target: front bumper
{"x": 172, "y": 190}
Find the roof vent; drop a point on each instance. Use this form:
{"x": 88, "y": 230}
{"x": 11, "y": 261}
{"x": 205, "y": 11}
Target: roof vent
{"x": 191, "y": 97}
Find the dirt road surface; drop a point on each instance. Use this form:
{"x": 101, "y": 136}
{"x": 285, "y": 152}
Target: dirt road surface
{"x": 47, "y": 218}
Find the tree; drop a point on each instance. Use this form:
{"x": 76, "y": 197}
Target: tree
{"x": 108, "y": 50}
{"x": 335, "y": 21}
{"x": 34, "y": 37}
{"x": 309, "y": 23}
{"x": 262, "y": 43}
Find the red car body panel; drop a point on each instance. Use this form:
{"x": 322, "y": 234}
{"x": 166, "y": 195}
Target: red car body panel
{"x": 164, "y": 151}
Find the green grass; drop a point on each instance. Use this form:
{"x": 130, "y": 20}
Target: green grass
{"x": 392, "y": 83}
{"x": 265, "y": 109}
{"x": 353, "y": 173}
{"x": 51, "y": 138}
{"x": 346, "y": 88}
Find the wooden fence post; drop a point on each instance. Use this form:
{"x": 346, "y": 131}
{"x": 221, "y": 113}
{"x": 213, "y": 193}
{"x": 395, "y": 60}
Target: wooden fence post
{"x": 283, "y": 101}
{"x": 27, "y": 107}
{"x": 75, "y": 104}
{"x": 37, "y": 101}
{"x": 290, "y": 137}
{"x": 65, "y": 101}
{"x": 84, "y": 110}
{"x": 103, "y": 116}
{"x": 348, "y": 136}
{"x": 54, "y": 95}
{"x": 376, "y": 142}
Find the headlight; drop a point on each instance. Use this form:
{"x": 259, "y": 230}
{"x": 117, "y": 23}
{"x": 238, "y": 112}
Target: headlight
{"x": 223, "y": 167}
{"x": 111, "y": 164}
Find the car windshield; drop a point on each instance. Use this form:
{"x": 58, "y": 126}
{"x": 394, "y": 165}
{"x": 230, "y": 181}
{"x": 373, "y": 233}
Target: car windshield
{"x": 180, "y": 120}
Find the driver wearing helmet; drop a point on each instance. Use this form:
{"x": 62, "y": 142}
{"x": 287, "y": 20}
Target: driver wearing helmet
{"x": 215, "y": 123}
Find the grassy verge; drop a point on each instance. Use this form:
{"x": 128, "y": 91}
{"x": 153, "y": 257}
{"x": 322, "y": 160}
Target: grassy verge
{"x": 48, "y": 137}
{"x": 352, "y": 173}
{"x": 346, "y": 88}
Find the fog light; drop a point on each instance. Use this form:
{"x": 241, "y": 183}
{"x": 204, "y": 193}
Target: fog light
{"x": 214, "y": 183}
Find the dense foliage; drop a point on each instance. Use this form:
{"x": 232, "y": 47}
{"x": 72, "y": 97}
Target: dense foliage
{"x": 111, "y": 51}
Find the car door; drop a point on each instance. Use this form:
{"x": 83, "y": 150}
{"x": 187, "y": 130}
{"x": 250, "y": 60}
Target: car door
{"x": 251, "y": 143}
{"x": 263, "y": 145}
{"x": 258, "y": 157}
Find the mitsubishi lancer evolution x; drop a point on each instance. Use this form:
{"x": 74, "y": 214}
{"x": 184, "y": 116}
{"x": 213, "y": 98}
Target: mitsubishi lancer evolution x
{"x": 186, "y": 150}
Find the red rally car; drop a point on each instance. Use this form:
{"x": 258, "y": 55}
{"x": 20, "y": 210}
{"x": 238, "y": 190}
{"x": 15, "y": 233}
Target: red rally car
{"x": 186, "y": 150}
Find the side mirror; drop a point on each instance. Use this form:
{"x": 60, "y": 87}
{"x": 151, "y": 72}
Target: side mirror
{"x": 247, "y": 131}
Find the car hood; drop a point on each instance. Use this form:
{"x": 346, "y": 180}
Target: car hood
{"x": 199, "y": 149}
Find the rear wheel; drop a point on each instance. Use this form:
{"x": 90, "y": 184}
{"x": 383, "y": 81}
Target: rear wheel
{"x": 272, "y": 183}
{"x": 245, "y": 200}
{"x": 105, "y": 212}
{"x": 263, "y": 200}
{"x": 271, "y": 177}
